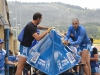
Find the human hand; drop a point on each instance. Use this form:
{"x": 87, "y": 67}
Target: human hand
{"x": 49, "y": 29}
{"x": 52, "y": 27}
{"x": 16, "y": 63}
{"x": 65, "y": 42}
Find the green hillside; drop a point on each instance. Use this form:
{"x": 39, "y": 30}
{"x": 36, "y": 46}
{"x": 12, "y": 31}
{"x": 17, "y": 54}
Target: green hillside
{"x": 55, "y": 14}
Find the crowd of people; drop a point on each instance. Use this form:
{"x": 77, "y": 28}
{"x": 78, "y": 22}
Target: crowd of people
{"x": 76, "y": 37}
{"x": 4, "y": 59}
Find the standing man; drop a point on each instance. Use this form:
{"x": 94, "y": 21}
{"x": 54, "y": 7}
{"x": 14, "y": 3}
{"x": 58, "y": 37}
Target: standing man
{"x": 94, "y": 60}
{"x": 81, "y": 39}
{"x": 3, "y": 59}
{"x": 30, "y": 33}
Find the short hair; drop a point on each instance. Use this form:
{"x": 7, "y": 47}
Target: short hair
{"x": 91, "y": 40}
{"x": 75, "y": 19}
{"x": 37, "y": 15}
{"x": 11, "y": 52}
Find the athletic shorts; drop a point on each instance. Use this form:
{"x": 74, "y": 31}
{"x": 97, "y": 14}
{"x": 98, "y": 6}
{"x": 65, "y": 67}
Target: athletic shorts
{"x": 84, "y": 47}
{"x": 24, "y": 51}
{"x": 2, "y": 72}
{"x": 94, "y": 69}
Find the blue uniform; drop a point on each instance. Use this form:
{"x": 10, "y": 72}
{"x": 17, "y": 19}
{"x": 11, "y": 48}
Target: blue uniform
{"x": 94, "y": 64}
{"x": 12, "y": 59}
{"x": 2, "y": 61}
{"x": 80, "y": 36}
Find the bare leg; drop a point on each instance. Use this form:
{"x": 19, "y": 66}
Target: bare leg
{"x": 77, "y": 69}
{"x": 85, "y": 53}
{"x": 88, "y": 64}
{"x": 21, "y": 63}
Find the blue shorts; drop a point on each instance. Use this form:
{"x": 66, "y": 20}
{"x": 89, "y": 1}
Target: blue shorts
{"x": 94, "y": 69}
{"x": 2, "y": 72}
{"x": 84, "y": 47}
{"x": 24, "y": 51}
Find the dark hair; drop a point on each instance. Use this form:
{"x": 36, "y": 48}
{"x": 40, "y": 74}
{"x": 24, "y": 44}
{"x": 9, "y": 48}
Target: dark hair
{"x": 16, "y": 53}
{"x": 11, "y": 52}
{"x": 37, "y": 15}
{"x": 91, "y": 40}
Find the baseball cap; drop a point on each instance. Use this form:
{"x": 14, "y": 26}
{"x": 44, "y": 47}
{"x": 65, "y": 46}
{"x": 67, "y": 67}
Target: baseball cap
{"x": 1, "y": 41}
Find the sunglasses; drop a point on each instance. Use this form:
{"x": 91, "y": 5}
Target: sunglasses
{"x": 74, "y": 23}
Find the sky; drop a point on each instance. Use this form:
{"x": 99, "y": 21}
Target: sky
{"x": 91, "y": 4}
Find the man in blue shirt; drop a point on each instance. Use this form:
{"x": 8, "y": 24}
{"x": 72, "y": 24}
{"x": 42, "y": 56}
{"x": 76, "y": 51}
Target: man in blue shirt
{"x": 81, "y": 39}
{"x": 3, "y": 58}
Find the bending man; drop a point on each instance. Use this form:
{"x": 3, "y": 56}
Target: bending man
{"x": 81, "y": 39}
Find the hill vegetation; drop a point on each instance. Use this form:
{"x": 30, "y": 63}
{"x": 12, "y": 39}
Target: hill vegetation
{"x": 56, "y": 14}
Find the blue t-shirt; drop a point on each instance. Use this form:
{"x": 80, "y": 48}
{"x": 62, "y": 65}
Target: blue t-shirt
{"x": 79, "y": 34}
{"x": 12, "y": 59}
{"x": 2, "y": 59}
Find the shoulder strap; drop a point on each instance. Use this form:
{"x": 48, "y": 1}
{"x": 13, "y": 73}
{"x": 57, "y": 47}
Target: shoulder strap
{"x": 23, "y": 35}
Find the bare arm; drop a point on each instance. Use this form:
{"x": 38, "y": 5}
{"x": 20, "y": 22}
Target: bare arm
{"x": 42, "y": 27}
{"x": 95, "y": 58}
{"x": 39, "y": 36}
{"x": 9, "y": 62}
